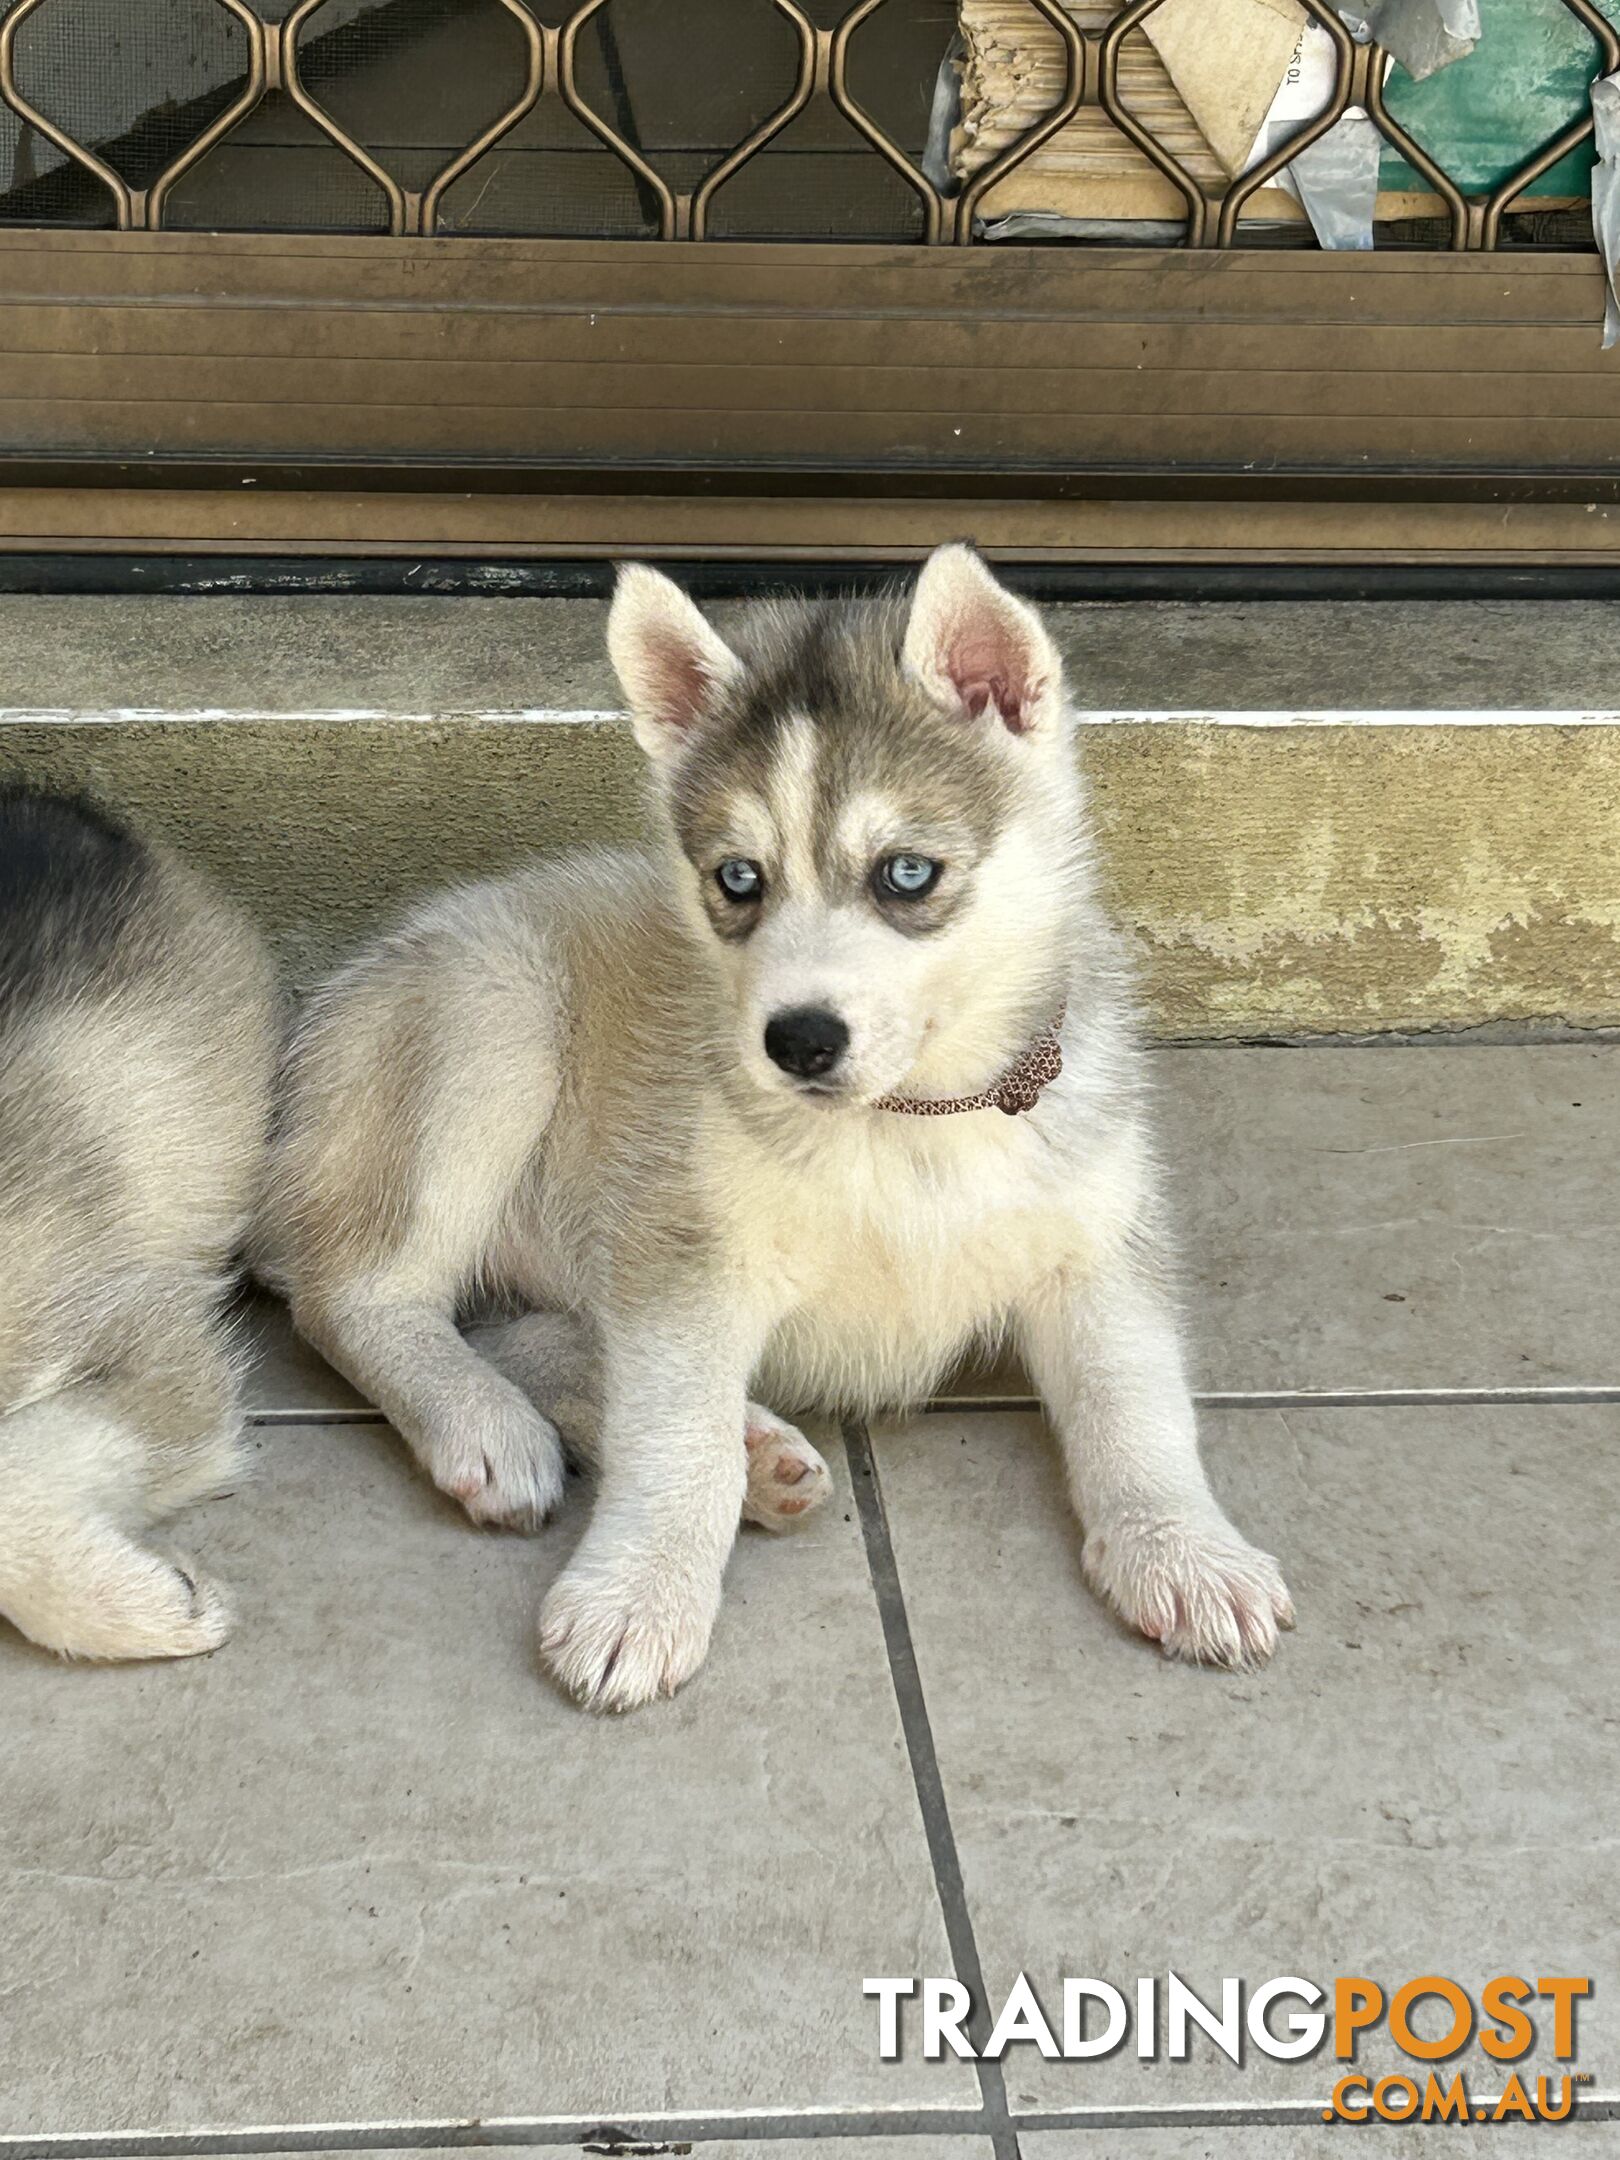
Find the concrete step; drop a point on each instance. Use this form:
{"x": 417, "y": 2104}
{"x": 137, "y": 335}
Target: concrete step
{"x": 1315, "y": 817}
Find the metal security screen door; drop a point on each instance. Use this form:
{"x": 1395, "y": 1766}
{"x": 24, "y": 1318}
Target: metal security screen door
{"x": 751, "y": 277}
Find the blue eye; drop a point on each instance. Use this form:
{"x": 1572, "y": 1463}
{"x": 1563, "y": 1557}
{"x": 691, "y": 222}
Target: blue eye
{"x": 909, "y": 876}
{"x": 740, "y": 880}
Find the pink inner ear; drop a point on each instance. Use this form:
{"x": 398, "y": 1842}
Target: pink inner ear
{"x": 982, "y": 697}
{"x": 682, "y": 684}
{"x": 989, "y": 665}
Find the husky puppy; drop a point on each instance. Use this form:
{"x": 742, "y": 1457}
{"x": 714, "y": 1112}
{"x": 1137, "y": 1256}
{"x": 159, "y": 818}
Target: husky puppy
{"x": 138, "y": 1021}
{"x": 738, "y": 1105}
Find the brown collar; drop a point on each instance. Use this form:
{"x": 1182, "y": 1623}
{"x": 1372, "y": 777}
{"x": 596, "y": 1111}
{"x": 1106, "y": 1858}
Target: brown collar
{"x": 1019, "y": 1087}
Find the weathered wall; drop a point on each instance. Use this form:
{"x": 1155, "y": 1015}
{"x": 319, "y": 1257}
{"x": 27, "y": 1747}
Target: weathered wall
{"x": 1276, "y": 880}
{"x": 1287, "y": 879}
{"x": 1365, "y": 878}
{"x": 324, "y": 827}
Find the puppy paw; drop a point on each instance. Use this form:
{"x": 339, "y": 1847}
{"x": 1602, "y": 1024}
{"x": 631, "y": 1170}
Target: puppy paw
{"x": 505, "y": 1466}
{"x": 138, "y": 1606}
{"x": 619, "y": 1636}
{"x": 787, "y": 1479}
{"x": 206, "y": 1624}
{"x": 1196, "y": 1588}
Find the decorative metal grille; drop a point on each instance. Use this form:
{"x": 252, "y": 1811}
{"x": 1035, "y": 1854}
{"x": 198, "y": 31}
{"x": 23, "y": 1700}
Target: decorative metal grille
{"x": 557, "y": 77}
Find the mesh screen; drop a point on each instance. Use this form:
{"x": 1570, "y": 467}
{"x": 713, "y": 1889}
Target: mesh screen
{"x": 817, "y": 180}
{"x": 416, "y": 81}
{"x": 412, "y": 84}
{"x": 135, "y": 80}
{"x": 277, "y": 172}
{"x": 553, "y": 177}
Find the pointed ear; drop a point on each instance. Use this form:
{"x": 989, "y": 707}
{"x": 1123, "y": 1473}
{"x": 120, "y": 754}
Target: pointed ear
{"x": 977, "y": 648}
{"x": 668, "y": 658}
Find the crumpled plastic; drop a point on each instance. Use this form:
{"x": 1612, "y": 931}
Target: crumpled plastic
{"x": 943, "y": 114}
{"x": 1423, "y": 35}
{"x": 1606, "y": 197}
{"x": 1336, "y": 180}
{"x": 1336, "y": 177}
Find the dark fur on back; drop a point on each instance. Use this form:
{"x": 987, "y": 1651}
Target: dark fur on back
{"x": 137, "y": 1041}
{"x": 71, "y": 883}
{"x": 137, "y": 1033}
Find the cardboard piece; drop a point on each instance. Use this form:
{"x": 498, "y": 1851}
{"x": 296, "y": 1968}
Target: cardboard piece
{"x": 1227, "y": 60}
{"x": 1205, "y": 75}
{"x": 1013, "y": 74}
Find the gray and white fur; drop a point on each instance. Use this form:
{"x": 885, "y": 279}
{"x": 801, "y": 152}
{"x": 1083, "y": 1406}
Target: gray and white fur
{"x": 138, "y": 1022}
{"x": 637, "y": 1104}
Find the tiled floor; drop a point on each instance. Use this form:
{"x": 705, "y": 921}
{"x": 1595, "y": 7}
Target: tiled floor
{"x": 362, "y": 1880}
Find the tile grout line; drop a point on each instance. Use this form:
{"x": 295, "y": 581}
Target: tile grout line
{"x": 925, "y": 1772}
{"x": 1242, "y": 2114}
{"x": 1553, "y": 1396}
{"x": 635, "y": 2132}
{"x": 329, "y": 1414}
{"x": 484, "y": 2133}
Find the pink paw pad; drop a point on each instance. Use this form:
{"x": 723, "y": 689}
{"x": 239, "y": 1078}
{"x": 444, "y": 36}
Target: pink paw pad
{"x": 786, "y": 1477}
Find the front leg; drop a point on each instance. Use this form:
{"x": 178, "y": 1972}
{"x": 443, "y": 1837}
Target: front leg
{"x": 1104, "y": 1351}
{"x": 631, "y": 1617}
{"x": 552, "y": 1357}
{"x": 473, "y": 1432}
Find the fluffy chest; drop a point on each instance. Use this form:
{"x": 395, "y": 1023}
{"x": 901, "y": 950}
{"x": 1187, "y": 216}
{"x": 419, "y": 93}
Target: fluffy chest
{"x": 886, "y": 1254}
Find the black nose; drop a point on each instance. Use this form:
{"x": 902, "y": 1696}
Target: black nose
{"x": 805, "y": 1042}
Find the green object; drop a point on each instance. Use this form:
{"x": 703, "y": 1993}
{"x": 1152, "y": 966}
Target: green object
{"x": 1529, "y": 76}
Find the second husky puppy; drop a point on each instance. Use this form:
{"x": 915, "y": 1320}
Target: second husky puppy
{"x": 738, "y": 1104}
{"x": 138, "y": 1021}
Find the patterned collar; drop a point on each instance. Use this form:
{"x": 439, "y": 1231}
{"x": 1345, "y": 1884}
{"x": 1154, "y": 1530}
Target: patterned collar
{"x": 1018, "y": 1089}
